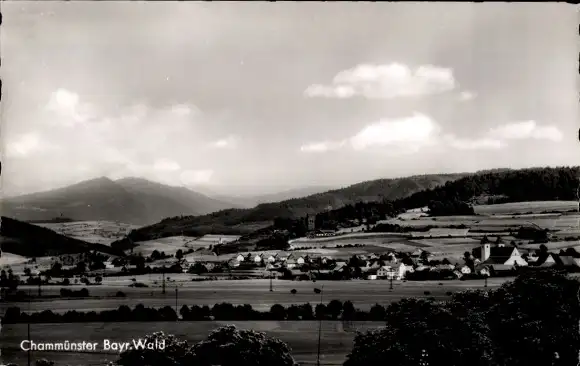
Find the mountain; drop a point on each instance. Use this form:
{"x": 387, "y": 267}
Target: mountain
{"x": 130, "y": 200}
{"x": 29, "y": 240}
{"x": 243, "y": 221}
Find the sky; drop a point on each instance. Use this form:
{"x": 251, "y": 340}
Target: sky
{"x": 248, "y": 98}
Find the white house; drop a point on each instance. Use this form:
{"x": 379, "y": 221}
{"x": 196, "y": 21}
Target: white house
{"x": 240, "y": 258}
{"x": 397, "y": 272}
{"x": 258, "y": 258}
{"x": 384, "y": 271}
{"x": 272, "y": 258}
{"x": 463, "y": 269}
{"x": 300, "y": 261}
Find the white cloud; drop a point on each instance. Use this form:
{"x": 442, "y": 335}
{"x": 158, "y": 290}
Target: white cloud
{"x": 166, "y": 165}
{"x": 526, "y": 130}
{"x": 323, "y": 146}
{"x": 385, "y": 81}
{"x": 229, "y": 142}
{"x": 418, "y": 130}
{"x": 192, "y": 177}
{"x": 27, "y": 144}
{"x": 465, "y": 96}
{"x": 68, "y": 108}
{"x": 408, "y": 134}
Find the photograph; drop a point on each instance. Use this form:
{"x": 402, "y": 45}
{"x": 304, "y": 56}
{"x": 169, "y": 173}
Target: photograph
{"x": 192, "y": 183}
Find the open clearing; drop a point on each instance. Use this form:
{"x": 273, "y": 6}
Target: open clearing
{"x": 524, "y": 207}
{"x": 99, "y": 232}
{"x": 362, "y": 293}
{"x": 301, "y": 336}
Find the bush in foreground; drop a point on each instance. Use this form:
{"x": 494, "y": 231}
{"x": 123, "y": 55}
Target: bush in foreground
{"x": 522, "y": 323}
{"x": 225, "y": 346}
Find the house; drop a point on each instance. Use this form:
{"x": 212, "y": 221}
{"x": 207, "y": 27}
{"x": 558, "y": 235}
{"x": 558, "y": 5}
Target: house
{"x": 325, "y": 260}
{"x": 416, "y": 253}
{"x": 291, "y": 263}
{"x": 272, "y": 258}
{"x": 300, "y": 260}
{"x": 396, "y": 272}
{"x": 372, "y": 274}
{"x": 240, "y": 258}
{"x": 109, "y": 265}
{"x": 339, "y": 265}
{"x": 384, "y": 271}
{"x": 258, "y": 258}
{"x": 233, "y": 263}
{"x": 561, "y": 261}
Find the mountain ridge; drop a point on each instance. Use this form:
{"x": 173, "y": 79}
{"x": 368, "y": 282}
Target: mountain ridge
{"x": 130, "y": 200}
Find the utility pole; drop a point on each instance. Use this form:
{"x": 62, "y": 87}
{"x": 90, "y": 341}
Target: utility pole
{"x": 319, "y": 329}
{"x": 176, "y": 310}
{"x": 485, "y": 281}
{"x": 271, "y": 289}
{"x": 391, "y": 276}
{"x": 29, "y": 356}
{"x": 163, "y": 282}
{"x": 39, "y": 285}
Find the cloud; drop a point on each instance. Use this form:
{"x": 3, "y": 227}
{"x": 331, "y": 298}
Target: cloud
{"x": 229, "y": 142}
{"x": 162, "y": 143}
{"x": 68, "y": 108}
{"x": 526, "y": 130}
{"x": 407, "y": 133}
{"x": 323, "y": 146}
{"x": 385, "y": 82}
{"x": 417, "y": 130}
{"x": 193, "y": 177}
{"x": 27, "y": 144}
{"x": 465, "y": 96}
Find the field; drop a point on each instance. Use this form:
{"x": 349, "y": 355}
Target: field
{"x": 301, "y": 336}
{"x": 524, "y": 207}
{"x": 100, "y": 232}
{"x": 256, "y": 292}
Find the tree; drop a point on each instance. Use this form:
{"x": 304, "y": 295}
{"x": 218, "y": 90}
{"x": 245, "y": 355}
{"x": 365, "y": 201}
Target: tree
{"x": 98, "y": 279}
{"x": 225, "y": 346}
{"x": 417, "y": 325}
{"x": 179, "y": 254}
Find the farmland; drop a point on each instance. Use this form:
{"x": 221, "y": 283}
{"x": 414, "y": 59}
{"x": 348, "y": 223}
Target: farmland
{"x": 336, "y": 338}
{"x": 362, "y": 293}
{"x": 445, "y": 241}
{"x": 99, "y": 232}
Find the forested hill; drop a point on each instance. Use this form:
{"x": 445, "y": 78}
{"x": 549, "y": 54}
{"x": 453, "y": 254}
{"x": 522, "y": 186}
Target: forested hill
{"x": 535, "y": 184}
{"x": 242, "y": 221}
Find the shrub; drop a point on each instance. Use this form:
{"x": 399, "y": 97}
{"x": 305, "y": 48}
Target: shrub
{"x": 293, "y": 291}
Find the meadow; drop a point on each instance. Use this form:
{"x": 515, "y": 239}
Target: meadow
{"x": 99, "y": 232}
{"x": 301, "y": 336}
{"x": 363, "y": 294}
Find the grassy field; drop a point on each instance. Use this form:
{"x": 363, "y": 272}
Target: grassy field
{"x": 524, "y": 207}
{"x": 363, "y": 294}
{"x": 301, "y": 336}
{"x": 100, "y": 232}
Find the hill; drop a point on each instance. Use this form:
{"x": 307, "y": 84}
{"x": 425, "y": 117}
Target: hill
{"x": 251, "y": 201}
{"x": 130, "y": 200}
{"x": 29, "y": 240}
{"x": 244, "y": 221}
{"x": 534, "y": 184}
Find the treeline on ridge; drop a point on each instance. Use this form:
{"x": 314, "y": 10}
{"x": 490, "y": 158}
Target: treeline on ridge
{"x": 451, "y": 197}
